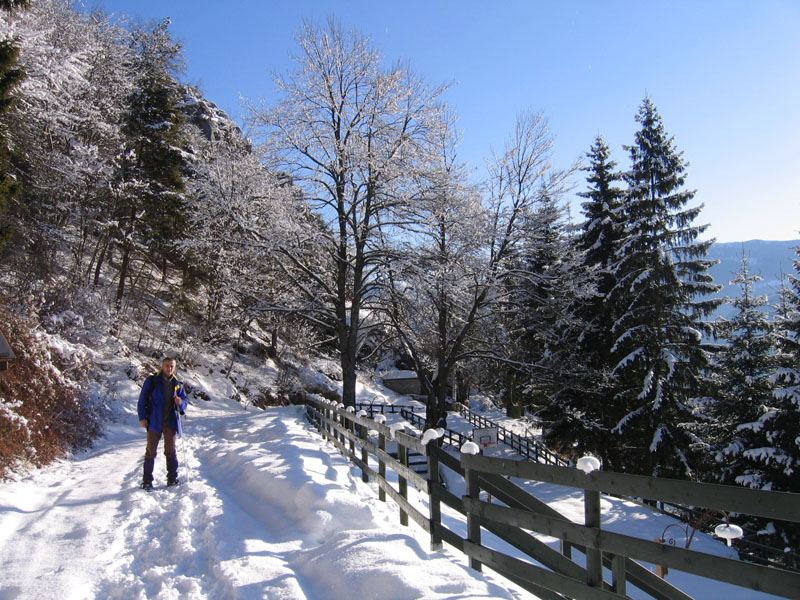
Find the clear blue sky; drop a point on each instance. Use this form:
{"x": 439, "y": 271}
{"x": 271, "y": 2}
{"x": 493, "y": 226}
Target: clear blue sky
{"x": 725, "y": 75}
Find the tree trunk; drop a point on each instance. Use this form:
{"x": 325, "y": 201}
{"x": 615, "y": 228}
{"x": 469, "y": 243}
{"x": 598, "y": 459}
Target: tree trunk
{"x": 348, "y": 377}
{"x": 126, "y": 258}
{"x": 235, "y": 354}
{"x": 272, "y": 351}
{"x": 98, "y": 258}
{"x": 436, "y": 405}
{"x": 123, "y": 273}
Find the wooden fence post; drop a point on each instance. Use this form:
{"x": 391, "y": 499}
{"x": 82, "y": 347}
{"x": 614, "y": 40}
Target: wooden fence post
{"x": 473, "y": 521}
{"x": 594, "y": 557}
{"x": 402, "y": 482}
{"x": 349, "y": 426}
{"x": 362, "y": 434}
{"x": 566, "y": 549}
{"x": 619, "y": 584}
{"x": 382, "y": 447}
{"x": 433, "y": 498}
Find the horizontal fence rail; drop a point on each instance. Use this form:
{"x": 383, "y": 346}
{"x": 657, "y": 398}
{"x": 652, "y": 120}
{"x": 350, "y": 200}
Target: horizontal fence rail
{"x": 535, "y": 451}
{"x": 513, "y": 515}
{"x": 747, "y": 547}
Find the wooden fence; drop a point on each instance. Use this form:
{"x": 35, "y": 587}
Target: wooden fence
{"x": 609, "y": 562}
{"x": 748, "y": 546}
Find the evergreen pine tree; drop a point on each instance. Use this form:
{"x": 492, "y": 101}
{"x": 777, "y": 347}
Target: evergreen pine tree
{"x": 583, "y": 412}
{"x": 781, "y": 424}
{"x": 151, "y": 181}
{"x": 603, "y": 230}
{"x": 745, "y": 368}
{"x": 10, "y": 76}
{"x": 773, "y": 457}
{"x": 660, "y": 274}
{"x": 547, "y": 275}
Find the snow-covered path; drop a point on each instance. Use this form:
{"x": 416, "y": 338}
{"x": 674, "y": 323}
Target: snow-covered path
{"x": 51, "y": 525}
{"x": 268, "y": 511}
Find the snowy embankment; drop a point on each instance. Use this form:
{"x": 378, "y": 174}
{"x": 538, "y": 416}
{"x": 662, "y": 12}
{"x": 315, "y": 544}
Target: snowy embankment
{"x": 267, "y": 511}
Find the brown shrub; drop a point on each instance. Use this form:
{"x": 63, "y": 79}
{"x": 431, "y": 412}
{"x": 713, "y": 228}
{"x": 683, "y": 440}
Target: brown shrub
{"x": 42, "y": 413}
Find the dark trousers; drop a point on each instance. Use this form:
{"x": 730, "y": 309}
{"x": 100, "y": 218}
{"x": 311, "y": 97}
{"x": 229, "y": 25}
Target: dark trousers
{"x": 169, "y": 452}
{"x": 153, "y": 439}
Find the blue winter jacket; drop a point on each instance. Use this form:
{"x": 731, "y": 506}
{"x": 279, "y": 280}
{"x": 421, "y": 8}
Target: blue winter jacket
{"x": 156, "y": 413}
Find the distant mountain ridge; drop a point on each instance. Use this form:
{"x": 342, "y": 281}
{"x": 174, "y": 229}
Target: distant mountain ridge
{"x": 769, "y": 259}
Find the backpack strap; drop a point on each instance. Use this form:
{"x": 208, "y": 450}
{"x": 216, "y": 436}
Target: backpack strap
{"x": 149, "y": 401}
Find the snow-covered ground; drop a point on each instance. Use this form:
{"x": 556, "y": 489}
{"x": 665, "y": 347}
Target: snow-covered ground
{"x": 267, "y": 510}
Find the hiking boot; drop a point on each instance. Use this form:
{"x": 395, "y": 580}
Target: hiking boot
{"x": 147, "y": 474}
{"x": 173, "y": 482}
{"x": 172, "y": 468}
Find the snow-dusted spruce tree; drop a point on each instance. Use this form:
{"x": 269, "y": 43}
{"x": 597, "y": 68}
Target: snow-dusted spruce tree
{"x": 767, "y": 448}
{"x": 552, "y": 285}
{"x": 745, "y": 390}
{"x": 582, "y": 414}
{"x": 661, "y": 279}
{"x": 780, "y": 425}
{"x": 349, "y": 131}
{"x": 434, "y": 283}
{"x": 528, "y": 250}
{"x": 149, "y": 203}
{"x": 549, "y": 282}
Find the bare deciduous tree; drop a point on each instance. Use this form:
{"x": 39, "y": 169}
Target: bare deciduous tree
{"x": 447, "y": 287}
{"x": 350, "y": 131}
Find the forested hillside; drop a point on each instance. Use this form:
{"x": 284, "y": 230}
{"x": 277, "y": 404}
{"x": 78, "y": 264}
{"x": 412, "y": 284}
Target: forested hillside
{"x": 343, "y": 224}
{"x": 771, "y": 260}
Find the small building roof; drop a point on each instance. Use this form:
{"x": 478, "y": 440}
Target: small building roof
{"x": 399, "y": 375}
{"x": 5, "y": 349}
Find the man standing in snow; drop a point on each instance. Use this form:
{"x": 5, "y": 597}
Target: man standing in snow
{"x": 160, "y": 400}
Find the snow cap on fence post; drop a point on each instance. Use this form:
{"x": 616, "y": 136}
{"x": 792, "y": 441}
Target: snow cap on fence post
{"x": 380, "y": 419}
{"x": 470, "y": 448}
{"x": 362, "y": 413}
{"x": 430, "y": 434}
{"x": 351, "y": 409}
{"x": 395, "y": 427}
{"x": 587, "y": 464}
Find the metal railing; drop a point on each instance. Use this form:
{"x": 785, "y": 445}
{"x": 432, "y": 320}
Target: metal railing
{"x": 528, "y": 447}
